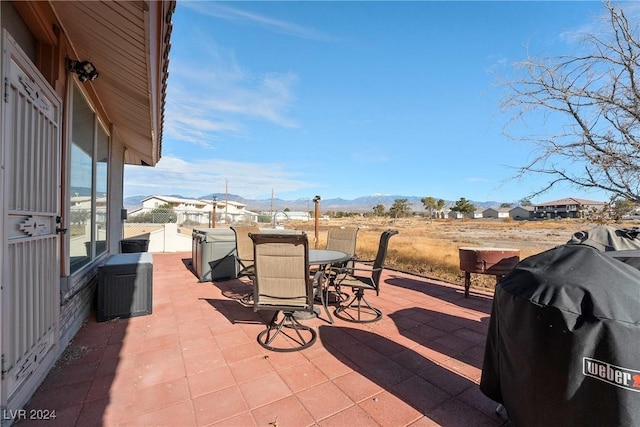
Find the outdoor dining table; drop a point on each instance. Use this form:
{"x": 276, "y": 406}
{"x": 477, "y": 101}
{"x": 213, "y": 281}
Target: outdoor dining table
{"x": 322, "y": 258}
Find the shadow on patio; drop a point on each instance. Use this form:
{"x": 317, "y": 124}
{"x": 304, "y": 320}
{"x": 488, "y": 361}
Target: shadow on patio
{"x": 195, "y": 361}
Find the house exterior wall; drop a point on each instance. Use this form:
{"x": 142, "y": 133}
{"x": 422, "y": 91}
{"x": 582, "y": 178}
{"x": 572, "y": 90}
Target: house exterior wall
{"x": 31, "y": 25}
{"x": 76, "y": 290}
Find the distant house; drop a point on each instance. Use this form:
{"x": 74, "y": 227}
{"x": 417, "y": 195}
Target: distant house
{"x": 567, "y": 208}
{"x": 490, "y": 213}
{"x": 230, "y": 212}
{"x": 154, "y": 202}
{"x": 199, "y": 211}
{"x": 475, "y": 215}
{"x": 521, "y": 212}
{"x": 455, "y": 215}
{"x": 495, "y": 213}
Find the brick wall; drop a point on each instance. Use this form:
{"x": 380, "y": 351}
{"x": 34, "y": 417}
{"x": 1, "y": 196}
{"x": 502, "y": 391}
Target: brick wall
{"x": 75, "y": 309}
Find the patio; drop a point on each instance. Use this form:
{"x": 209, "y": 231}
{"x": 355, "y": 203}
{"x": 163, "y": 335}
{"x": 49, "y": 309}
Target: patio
{"x": 195, "y": 362}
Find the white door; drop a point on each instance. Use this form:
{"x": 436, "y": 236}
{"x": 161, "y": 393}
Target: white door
{"x": 29, "y": 255}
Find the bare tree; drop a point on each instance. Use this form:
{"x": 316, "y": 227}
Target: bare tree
{"x": 597, "y": 95}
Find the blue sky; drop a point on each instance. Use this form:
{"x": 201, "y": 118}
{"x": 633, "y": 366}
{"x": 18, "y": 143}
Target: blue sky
{"x": 348, "y": 99}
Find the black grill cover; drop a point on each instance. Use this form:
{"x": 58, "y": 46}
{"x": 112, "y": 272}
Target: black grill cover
{"x": 608, "y": 238}
{"x": 563, "y": 346}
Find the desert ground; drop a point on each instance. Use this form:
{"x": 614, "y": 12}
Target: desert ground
{"x": 430, "y": 248}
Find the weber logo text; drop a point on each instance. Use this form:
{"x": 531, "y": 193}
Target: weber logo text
{"x": 614, "y": 375}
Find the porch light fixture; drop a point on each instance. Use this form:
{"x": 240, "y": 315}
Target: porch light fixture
{"x": 84, "y": 69}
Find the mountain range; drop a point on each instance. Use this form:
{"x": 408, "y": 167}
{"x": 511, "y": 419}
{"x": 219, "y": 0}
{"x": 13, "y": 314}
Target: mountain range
{"x": 360, "y": 204}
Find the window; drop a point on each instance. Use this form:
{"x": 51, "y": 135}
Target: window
{"x": 88, "y": 168}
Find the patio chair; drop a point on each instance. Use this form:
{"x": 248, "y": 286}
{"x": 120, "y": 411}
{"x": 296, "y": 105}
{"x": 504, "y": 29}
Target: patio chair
{"x": 244, "y": 249}
{"x": 244, "y": 255}
{"x": 361, "y": 279}
{"x": 341, "y": 239}
{"x": 282, "y": 284}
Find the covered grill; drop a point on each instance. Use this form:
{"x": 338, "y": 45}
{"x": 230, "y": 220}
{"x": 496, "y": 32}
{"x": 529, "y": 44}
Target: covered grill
{"x": 563, "y": 346}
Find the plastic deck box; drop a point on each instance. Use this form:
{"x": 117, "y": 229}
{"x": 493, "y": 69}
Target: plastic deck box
{"x": 125, "y": 284}
{"x": 214, "y": 254}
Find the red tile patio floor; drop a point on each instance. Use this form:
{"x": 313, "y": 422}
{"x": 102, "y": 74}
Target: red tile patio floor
{"x": 195, "y": 362}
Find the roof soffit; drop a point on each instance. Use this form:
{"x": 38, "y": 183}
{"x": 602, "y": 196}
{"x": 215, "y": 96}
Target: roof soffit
{"x": 128, "y": 42}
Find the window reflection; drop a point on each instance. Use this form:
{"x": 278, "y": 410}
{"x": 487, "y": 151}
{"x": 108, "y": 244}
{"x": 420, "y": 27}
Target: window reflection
{"x": 102, "y": 155}
{"x": 88, "y": 181}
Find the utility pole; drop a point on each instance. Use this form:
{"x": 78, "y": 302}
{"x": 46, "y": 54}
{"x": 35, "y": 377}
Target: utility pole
{"x": 214, "y": 202}
{"x": 272, "y": 196}
{"x": 316, "y": 201}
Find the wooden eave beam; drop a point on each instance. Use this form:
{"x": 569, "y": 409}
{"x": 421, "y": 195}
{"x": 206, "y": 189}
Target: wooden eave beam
{"x": 39, "y": 18}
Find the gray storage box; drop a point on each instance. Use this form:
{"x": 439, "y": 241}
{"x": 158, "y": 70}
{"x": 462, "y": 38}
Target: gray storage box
{"x": 214, "y": 254}
{"x": 125, "y": 286}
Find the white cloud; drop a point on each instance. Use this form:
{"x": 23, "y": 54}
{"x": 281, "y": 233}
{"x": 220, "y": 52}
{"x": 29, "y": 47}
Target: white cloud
{"x": 213, "y": 96}
{"x": 173, "y": 175}
{"x": 220, "y": 11}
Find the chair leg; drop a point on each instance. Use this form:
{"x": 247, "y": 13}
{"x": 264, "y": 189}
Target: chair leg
{"x": 322, "y": 292}
{"x": 339, "y": 294}
{"x": 324, "y": 299}
{"x": 267, "y": 337}
{"x": 361, "y": 306}
{"x": 247, "y": 299}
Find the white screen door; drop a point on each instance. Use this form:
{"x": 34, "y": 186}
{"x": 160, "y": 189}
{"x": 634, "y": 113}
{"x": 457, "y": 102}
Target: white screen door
{"x": 30, "y": 178}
